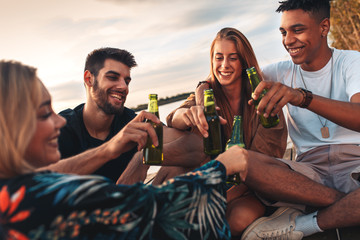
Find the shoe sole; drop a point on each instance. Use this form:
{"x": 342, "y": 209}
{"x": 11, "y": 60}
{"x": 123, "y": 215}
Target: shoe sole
{"x": 262, "y": 219}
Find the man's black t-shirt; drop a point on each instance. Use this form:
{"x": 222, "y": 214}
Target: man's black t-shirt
{"x": 75, "y": 139}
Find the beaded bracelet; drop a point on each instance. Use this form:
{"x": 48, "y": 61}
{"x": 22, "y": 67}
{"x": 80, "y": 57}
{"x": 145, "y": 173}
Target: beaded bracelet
{"x": 307, "y": 97}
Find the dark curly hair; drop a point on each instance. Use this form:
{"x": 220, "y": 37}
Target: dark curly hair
{"x": 320, "y": 9}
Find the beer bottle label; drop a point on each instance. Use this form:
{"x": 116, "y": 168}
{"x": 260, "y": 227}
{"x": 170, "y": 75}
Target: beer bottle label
{"x": 153, "y": 106}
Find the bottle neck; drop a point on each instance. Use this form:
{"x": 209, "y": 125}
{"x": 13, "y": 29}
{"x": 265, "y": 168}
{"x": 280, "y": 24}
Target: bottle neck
{"x": 237, "y": 136}
{"x": 254, "y": 81}
{"x": 209, "y": 104}
{"x": 153, "y": 106}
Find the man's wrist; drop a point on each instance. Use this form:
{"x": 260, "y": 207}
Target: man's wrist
{"x": 107, "y": 152}
{"x": 307, "y": 97}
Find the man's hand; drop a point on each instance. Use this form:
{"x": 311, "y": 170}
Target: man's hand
{"x": 277, "y": 96}
{"x": 134, "y": 133}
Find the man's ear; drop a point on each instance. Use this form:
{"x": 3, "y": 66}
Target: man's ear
{"x": 88, "y": 78}
{"x": 325, "y": 27}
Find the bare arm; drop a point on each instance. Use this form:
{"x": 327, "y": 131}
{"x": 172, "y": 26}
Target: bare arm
{"x": 191, "y": 113}
{"x": 133, "y": 134}
{"x": 345, "y": 114}
{"x": 235, "y": 160}
{"x": 183, "y": 148}
{"x": 83, "y": 163}
{"x": 135, "y": 171}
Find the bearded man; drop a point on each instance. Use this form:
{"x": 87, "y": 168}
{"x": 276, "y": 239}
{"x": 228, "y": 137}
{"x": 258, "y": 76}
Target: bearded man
{"x": 90, "y": 124}
{"x": 105, "y": 138}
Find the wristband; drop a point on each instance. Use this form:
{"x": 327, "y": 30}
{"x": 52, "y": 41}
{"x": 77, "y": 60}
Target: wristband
{"x": 307, "y": 97}
{"x": 202, "y": 82}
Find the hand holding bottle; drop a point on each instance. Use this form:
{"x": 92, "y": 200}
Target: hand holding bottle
{"x": 277, "y": 96}
{"x": 194, "y": 117}
{"x": 136, "y": 132}
{"x": 235, "y": 160}
{"x": 267, "y": 121}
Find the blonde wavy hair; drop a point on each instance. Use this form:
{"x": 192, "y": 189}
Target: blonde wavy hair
{"x": 20, "y": 96}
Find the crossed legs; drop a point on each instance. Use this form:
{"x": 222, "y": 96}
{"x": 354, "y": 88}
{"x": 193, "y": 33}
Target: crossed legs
{"x": 273, "y": 179}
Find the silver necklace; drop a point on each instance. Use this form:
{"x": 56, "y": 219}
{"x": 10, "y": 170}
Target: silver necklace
{"x": 324, "y": 130}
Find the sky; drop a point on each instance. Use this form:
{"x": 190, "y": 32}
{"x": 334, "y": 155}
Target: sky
{"x": 170, "y": 40}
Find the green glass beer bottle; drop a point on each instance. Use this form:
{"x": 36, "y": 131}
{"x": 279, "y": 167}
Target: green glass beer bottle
{"x": 254, "y": 81}
{"x": 154, "y": 155}
{"x": 237, "y": 138}
{"x": 213, "y": 143}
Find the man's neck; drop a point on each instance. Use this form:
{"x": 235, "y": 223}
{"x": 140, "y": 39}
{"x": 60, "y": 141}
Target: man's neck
{"x": 323, "y": 57}
{"x": 97, "y": 122}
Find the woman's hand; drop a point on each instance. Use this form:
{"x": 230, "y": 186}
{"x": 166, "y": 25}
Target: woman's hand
{"x": 235, "y": 160}
{"x": 191, "y": 117}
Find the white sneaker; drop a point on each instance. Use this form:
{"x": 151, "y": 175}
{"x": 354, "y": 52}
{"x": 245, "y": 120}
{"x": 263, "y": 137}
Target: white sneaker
{"x": 279, "y": 226}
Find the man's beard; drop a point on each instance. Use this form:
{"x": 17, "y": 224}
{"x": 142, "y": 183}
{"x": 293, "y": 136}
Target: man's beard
{"x": 103, "y": 104}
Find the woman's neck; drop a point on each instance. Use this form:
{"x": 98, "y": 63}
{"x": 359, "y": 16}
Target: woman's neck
{"x": 233, "y": 95}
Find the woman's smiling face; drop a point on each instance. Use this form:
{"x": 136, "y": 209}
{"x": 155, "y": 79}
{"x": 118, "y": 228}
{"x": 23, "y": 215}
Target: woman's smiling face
{"x": 226, "y": 62}
{"x": 43, "y": 148}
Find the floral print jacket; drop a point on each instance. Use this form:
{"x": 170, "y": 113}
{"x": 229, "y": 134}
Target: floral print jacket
{"x": 48, "y": 205}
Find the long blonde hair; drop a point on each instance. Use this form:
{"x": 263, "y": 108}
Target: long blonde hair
{"x": 247, "y": 59}
{"x": 20, "y": 95}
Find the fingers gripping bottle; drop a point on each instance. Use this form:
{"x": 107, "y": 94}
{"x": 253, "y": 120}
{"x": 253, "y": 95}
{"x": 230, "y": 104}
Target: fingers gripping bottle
{"x": 213, "y": 143}
{"x": 254, "y": 81}
{"x": 237, "y": 138}
{"x": 154, "y": 155}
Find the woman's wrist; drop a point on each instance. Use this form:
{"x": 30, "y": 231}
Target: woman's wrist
{"x": 202, "y": 82}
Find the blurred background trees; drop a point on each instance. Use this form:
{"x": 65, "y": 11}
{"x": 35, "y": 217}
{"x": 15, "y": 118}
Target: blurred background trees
{"x": 345, "y": 24}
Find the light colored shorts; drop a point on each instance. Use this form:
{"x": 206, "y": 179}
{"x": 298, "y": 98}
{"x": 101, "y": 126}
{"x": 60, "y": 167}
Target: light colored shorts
{"x": 335, "y": 166}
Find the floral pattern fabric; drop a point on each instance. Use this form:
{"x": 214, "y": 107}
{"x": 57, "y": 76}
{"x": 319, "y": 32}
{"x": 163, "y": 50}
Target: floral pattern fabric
{"x": 48, "y": 205}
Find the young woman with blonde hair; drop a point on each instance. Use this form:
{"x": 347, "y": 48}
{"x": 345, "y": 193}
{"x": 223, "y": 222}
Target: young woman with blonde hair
{"x": 49, "y": 205}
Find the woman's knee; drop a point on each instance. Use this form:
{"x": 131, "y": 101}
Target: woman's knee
{"x": 242, "y": 212}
